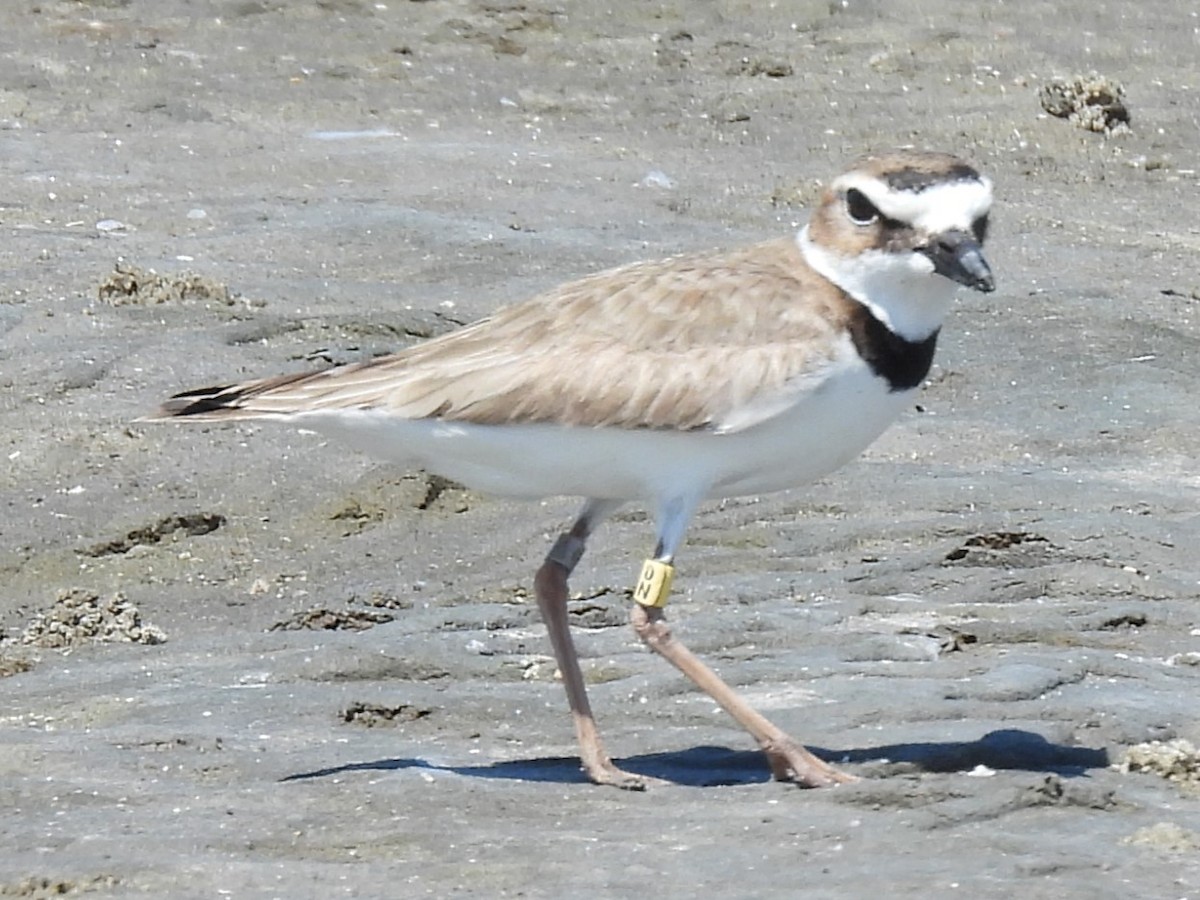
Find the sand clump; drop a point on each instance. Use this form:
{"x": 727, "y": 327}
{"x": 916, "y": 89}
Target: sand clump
{"x": 1166, "y": 836}
{"x": 1092, "y": 102}
{"x": 1176, "y": 760}
{"x": 79, "y": 615}
{"x": 130, "y": 285}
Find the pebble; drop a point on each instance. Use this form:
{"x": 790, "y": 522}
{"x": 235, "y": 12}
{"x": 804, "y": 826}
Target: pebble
{"x": 656, "y": 178}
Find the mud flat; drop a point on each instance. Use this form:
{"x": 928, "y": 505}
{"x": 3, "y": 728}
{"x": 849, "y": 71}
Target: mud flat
{"x": 242, "y": 662}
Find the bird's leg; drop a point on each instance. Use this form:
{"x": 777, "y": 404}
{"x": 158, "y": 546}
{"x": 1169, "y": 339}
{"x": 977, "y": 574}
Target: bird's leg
{"x": 789, "y": 760}
{"x": 550, "y": 586}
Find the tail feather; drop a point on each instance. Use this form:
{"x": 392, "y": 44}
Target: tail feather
{"x": 225, "y": 402}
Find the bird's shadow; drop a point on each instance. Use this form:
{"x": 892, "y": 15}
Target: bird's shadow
{"x": 711, "y": 766}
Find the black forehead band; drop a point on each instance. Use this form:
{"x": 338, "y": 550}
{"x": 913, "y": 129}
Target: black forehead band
{"x": 917, "y": 180}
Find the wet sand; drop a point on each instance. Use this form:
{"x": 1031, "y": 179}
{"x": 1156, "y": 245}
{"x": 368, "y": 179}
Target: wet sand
{"x": 324, "y": 677}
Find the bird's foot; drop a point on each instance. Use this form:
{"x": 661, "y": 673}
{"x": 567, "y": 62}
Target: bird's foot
{"x": 792, "y": 762}
{"x": 604, "y": 772}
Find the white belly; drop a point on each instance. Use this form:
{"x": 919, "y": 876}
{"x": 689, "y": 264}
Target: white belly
{"x": 823, "y": 430}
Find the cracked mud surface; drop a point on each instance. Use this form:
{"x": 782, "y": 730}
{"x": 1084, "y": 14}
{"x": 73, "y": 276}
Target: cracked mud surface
{"x": 355, "y": 697}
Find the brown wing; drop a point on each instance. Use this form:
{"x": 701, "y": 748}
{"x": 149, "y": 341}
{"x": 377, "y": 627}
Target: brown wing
{"x": 680, "y": 344}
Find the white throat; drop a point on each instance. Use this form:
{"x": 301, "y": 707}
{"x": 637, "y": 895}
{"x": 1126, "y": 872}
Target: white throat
{"x": 900, "y": 289}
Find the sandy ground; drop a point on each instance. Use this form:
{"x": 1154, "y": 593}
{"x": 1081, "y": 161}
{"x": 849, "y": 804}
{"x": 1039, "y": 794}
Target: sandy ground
{"x": 354, "y": 695}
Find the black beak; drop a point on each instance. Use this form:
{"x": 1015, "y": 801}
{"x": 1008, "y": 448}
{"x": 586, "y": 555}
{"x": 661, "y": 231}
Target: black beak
{"x": 958, "y": 256}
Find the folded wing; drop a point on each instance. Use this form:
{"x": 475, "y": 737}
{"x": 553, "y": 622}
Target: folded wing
{"x": 715, "y": 342}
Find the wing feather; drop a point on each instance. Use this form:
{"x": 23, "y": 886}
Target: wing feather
{"x": 706, "y": 342}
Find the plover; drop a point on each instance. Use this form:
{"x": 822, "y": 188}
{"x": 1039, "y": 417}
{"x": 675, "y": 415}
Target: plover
{"x": 670, "y": 382}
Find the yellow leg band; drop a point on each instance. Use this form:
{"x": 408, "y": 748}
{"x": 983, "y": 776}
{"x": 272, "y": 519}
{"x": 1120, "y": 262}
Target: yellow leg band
{"x": 654, "y": 584}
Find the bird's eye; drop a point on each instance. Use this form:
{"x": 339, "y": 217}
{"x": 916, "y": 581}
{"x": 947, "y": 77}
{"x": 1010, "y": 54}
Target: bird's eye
{"x": 980, "y": 228}
{"x": 861, "y": 210}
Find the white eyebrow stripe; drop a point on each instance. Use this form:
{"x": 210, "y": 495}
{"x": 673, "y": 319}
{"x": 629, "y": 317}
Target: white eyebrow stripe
{"x": 942, "y": 207}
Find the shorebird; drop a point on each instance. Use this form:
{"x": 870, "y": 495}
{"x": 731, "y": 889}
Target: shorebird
{"x": 670, "y": 382}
